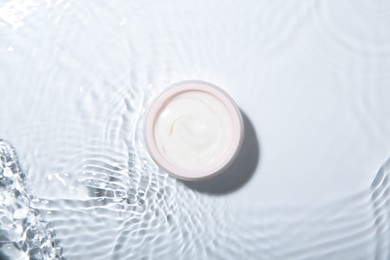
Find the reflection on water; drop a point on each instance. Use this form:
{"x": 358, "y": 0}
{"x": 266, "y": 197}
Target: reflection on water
{"x": 24, "y": 233}
{"x": 76, "y": 78}
{"x": 149, "y": 221}
{"x": 381, "y": 207}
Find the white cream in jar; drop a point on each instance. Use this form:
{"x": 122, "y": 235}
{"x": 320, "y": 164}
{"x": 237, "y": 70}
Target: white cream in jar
{"x": 193, "y": 130}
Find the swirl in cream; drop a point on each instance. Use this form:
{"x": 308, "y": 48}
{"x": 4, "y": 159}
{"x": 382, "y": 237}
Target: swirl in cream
{"x": 193, "y": 130}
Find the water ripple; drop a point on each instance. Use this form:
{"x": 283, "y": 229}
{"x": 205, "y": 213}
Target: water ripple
{"x": 372, "y": 9}
{"x": 354, "y": 46}
{"x": 24, "y": 231}
{"x": 78, "y": 79}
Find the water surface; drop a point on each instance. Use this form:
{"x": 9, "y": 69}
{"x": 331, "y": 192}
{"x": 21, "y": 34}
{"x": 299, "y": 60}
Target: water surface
{"x": 312, "y": 78}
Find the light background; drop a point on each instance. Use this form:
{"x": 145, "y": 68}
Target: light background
{"x": 312, "y": 77}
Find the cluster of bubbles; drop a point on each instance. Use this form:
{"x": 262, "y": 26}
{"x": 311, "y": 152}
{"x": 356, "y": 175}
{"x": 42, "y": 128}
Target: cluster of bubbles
{"x": 24, "y": 234}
